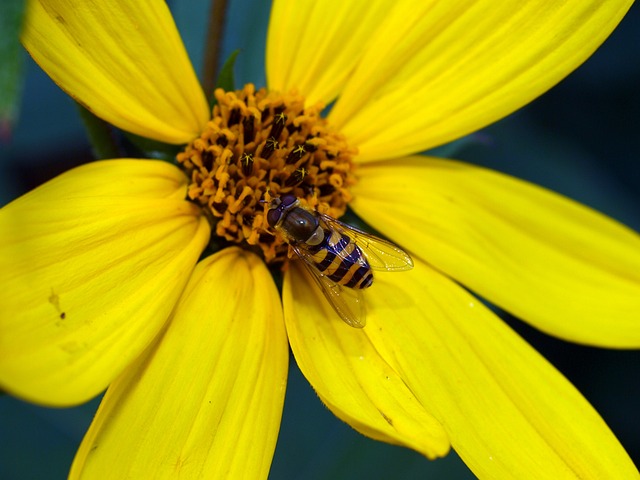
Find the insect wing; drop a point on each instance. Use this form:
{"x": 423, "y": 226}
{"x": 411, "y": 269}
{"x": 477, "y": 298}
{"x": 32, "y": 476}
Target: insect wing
{"x": 381, "y": 254}
{"x": 347, "y": 302}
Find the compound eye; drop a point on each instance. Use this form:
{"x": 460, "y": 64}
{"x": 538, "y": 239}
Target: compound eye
{"x": 273, "y": 216}
{"x": 288, "y": 200}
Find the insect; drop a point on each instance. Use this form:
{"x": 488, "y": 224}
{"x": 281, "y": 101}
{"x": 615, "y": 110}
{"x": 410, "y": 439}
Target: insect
{"x": 338, "y": 256}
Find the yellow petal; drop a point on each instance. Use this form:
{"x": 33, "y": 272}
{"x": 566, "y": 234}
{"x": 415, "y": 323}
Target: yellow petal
{"x": 349, "y": 375}
{"x": 314, "y": 46}
{"x": 207, "y": 400}
{"x": 563, "y": 267}
{"x": 123, "y": 60}
{"x": 92, "y": 264}
{"x": 508, "y": 412}
{"x": 436, "y": 71}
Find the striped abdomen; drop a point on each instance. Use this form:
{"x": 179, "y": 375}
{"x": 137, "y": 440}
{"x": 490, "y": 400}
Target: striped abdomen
{"x": 340, "y": 259}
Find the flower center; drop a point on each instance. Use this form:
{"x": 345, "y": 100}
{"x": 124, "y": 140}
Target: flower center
{"x": 260, "y": 145}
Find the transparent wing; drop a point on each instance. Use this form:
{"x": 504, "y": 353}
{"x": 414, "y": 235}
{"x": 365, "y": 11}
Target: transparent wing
{"x": 347, "y": 302}
{"x": 381, "y": 254}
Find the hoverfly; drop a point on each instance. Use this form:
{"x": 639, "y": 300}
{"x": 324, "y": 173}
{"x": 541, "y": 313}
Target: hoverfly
{"x": 338, "y": 256}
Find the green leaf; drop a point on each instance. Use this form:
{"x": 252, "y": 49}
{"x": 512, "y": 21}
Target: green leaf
{"x": 101, "y": 135}
{"x": 107, "y": 141}
{"x": 225, "y": 78}
{"x": 12, "y": 61}
{"x": 154, "y": 149}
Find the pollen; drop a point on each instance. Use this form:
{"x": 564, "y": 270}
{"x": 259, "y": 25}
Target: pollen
{"x": 260, "y": 145}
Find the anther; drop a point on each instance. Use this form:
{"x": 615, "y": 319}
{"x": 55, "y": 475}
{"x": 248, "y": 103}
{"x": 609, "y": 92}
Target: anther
{"x": 234, "y": 117}
{"x": 296, "y": 177}
{"x": 310, "y": 147}
{"x": 246, "y": 162}
{"x": 296, "y": 154}
{"x": 270, "y": 146}
{"x": 207, "y": 159}
{"x": 279, "y": 121}
{"x": 248, "y": 127}
{"x": 326, "y": 189}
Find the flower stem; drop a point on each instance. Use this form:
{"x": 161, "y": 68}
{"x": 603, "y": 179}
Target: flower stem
{"x": 215, "y": 31}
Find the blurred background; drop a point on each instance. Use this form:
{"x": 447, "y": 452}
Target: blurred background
{"x": 580, "y": 139}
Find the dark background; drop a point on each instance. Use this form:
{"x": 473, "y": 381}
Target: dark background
{"x": 580, "y": 139}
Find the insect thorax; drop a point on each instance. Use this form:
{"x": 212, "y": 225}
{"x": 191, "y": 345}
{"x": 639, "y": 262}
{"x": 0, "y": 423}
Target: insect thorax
{"x": 302, "y": 226}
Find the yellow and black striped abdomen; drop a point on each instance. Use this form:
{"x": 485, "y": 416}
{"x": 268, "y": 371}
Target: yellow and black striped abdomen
{"x": 339, "y": 259}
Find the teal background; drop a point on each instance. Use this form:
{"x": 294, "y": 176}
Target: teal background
{"x": 581, "y": 139}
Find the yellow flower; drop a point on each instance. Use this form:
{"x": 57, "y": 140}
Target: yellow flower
{"x": 100, "y": 285}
